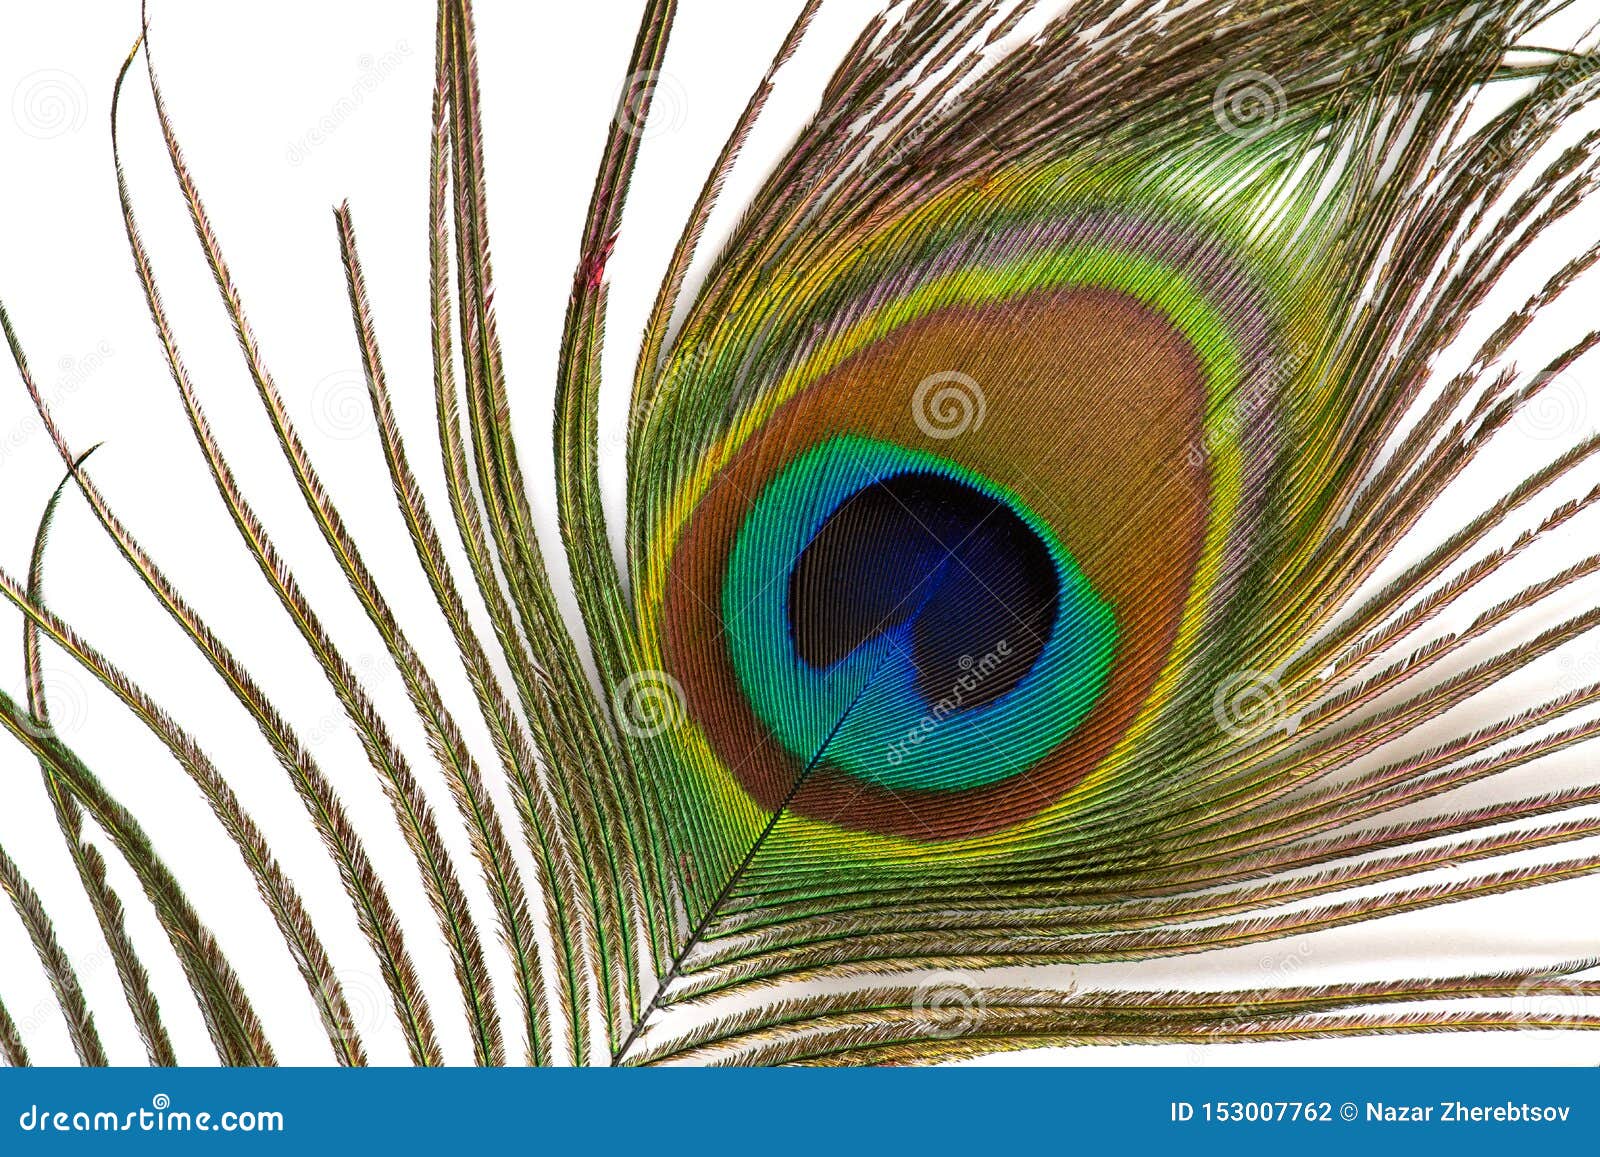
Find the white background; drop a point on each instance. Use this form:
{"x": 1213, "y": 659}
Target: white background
{"x": 285, "y": 109}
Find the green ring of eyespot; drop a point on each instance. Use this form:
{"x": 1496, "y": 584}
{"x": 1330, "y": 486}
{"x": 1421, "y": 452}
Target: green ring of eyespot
{"x": 879, "y": 732}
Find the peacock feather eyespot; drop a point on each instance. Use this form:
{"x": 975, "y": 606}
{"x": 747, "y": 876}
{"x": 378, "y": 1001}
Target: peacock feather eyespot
{"x": 996, "y": 445}
{"x": 897, "y": 623}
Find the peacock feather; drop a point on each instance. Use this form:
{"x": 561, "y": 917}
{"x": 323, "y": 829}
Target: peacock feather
{"x": 1026, "y": 561}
